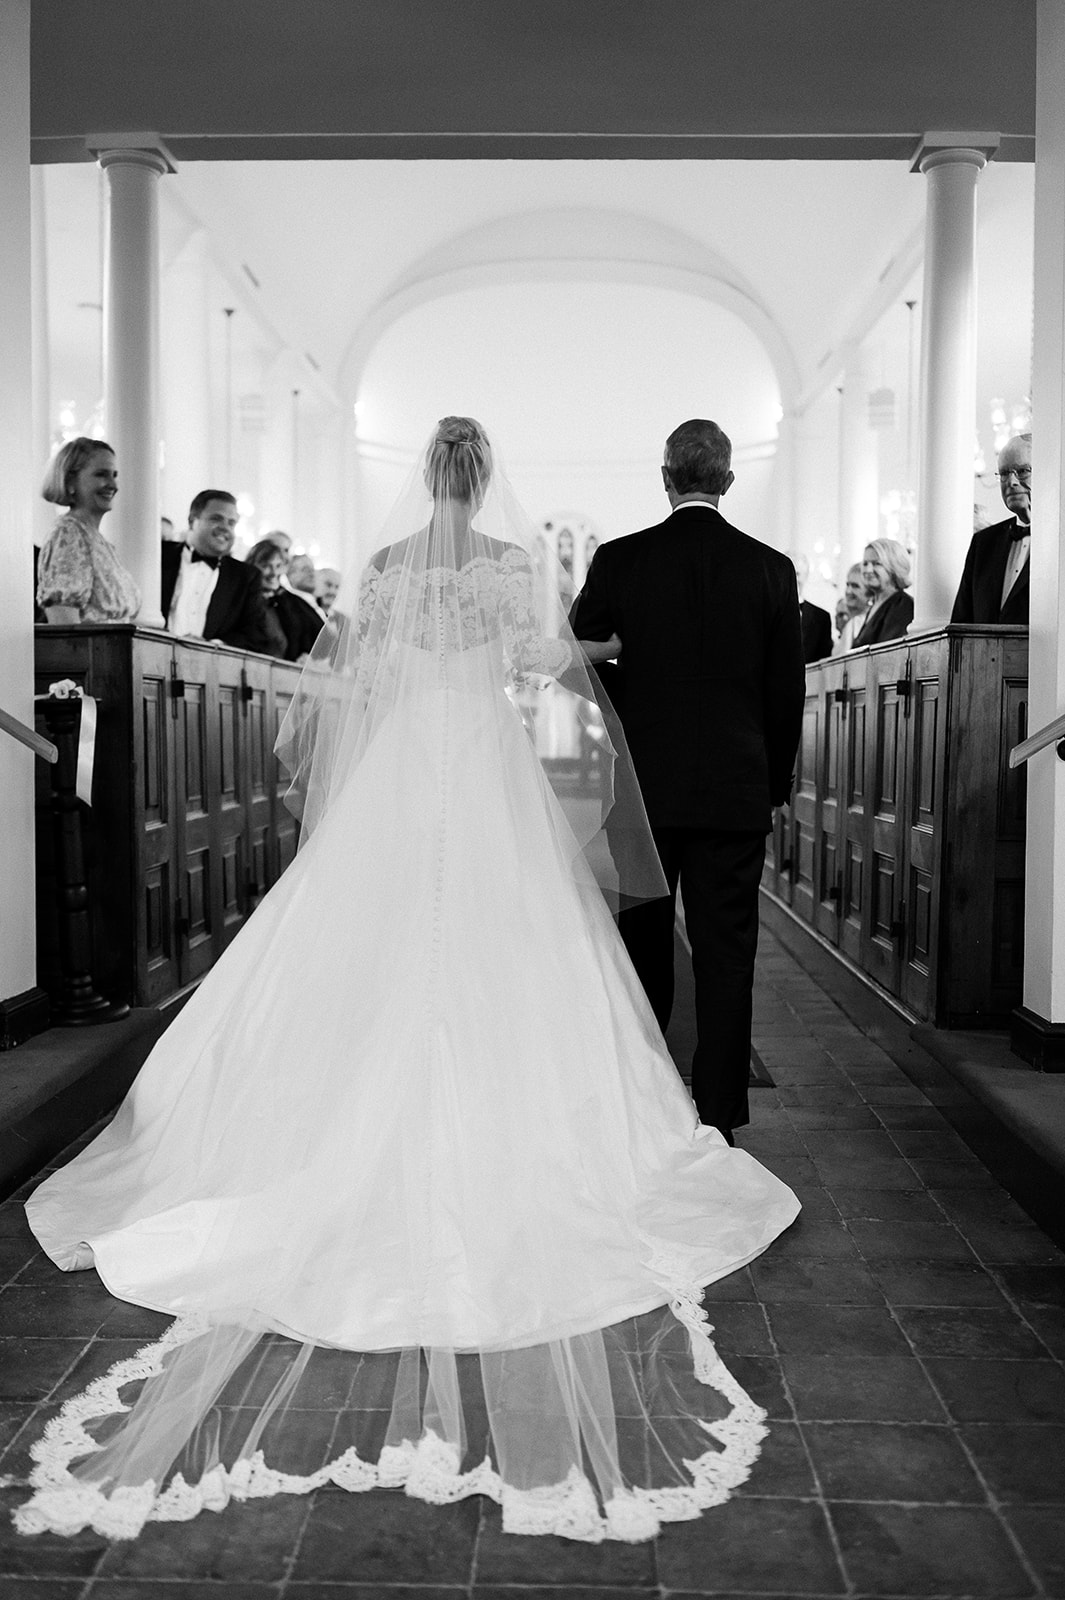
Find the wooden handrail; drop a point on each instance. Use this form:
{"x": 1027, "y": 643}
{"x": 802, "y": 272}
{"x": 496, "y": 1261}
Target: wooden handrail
{"x": 1038, "y": 741}
{"x": 18, "y": 730}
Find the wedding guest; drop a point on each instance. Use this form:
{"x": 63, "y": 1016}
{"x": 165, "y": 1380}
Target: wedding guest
{"x": 816, "y": 622}
{"x": 283, "y": 541}
{"x": 301, "y": 580}
{"x": 206, "y": 594}
{"x": 994, "y": 582}
{"x": 327, "y": 581}
{"x": 854, "y": 604}
{"x": 885, "y": 574}
{"x": 79, "y": 576}
{"x": 292, "y": 623}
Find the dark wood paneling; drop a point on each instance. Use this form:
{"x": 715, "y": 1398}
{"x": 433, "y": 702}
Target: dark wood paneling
{"x": 913, "y": 812}
{"x": 182, "y": 838}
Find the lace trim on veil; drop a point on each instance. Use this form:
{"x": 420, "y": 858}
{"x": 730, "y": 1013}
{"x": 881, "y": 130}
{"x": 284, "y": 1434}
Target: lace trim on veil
{"x": 428, "y": 1470}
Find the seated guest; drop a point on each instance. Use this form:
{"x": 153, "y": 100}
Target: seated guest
{"x": 326, "y": 588}
{"x": 294, "y": 624}
{"x": 268, "y": 561}
{"x": 205, "y": 593}
{"x": 327, "y": 581}
{"x": 885, "y": 574}
{"x": 283, "y": 542}
{"x": 301, "y": 580}
{"x": 994, "y": 582}
{"x": 816, "y": 622}
{"x": 79, "y": 576}
{"x": 854, "y": 604}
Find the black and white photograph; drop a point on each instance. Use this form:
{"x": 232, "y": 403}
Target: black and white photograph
{"x": 532, "y": 763}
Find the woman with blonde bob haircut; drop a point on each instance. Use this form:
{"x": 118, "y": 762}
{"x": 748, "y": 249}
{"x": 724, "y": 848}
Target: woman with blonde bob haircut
{"x": 79, "y": 576}
{"x": 886, "y": 570}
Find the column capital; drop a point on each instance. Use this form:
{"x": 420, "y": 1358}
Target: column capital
{"x": 949, "y": 149}
{"x": 132, "y": 150}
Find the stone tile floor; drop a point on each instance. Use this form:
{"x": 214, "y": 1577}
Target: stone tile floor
{"x": 907, "y": 1337}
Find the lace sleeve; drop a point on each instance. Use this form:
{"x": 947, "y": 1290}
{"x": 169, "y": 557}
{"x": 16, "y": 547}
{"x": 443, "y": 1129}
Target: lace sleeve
{"x": 366, "y": 623}
{"x": 529, "y": 650}
{"x": 65, "y": 574}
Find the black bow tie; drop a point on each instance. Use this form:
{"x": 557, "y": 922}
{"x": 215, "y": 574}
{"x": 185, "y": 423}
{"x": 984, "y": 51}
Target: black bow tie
{"x": 1020, "y": 530}
{"x": 210, "y": 561}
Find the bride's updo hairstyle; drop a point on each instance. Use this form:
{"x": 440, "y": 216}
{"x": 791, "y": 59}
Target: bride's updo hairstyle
{"x": 459, "y": 462}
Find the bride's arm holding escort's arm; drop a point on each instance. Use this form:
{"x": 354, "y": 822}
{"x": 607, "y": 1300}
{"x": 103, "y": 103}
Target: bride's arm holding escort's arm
{"x": 530, "y": 650}
{"x": 599, "y": 650}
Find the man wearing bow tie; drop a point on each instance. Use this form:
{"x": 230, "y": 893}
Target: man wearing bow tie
{"x": 994, "y": 584}
{"x": 205, "y": 593}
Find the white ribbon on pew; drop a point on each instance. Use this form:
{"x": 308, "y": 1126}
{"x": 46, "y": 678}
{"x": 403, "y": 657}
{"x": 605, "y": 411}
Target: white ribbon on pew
{"x": 67, "y": 689}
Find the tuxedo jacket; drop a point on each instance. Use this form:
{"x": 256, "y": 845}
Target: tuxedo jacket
{"x": 300, "y": 623}
{"x": 979, "y": 596}
{"x": 235, "y": 613}
{"x": 712, "y": 674}
{"x": 816, "y": 631}
{"x": 889, "y": 621}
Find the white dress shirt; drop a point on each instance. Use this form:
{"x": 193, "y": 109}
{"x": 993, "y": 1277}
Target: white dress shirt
{"x": 192, "y": 595}
{"x": 1019, "y": 549}
{"x": 851, "y": 629}
{"x": 311, "y": 599}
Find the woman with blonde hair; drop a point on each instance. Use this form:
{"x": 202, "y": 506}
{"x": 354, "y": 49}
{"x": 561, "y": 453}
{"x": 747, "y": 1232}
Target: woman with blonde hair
{"x": 886, "y": 572}
{"x": 79, "y": 577}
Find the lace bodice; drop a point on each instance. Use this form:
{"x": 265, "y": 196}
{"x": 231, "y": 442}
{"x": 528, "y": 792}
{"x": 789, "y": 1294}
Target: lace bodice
{"x": 486, "y": 600}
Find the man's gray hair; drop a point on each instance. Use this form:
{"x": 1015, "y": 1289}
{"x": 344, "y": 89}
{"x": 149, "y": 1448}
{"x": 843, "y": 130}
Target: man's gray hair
{"x": 698, "y": 458}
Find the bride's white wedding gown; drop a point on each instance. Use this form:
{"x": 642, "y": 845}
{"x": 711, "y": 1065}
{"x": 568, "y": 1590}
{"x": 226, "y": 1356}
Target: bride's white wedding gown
{"x": 420, "y": 1106}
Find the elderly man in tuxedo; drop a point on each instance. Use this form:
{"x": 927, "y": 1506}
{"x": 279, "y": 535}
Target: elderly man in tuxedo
{"x": 713, "y": 686}
{"x": 205, "y": 593}
{"x": 994, "y": 582}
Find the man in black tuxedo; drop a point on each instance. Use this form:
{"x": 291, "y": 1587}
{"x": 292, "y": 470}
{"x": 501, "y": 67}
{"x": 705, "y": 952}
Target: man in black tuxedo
{"x": 205, "y": 593}
{"x": 712, "y": 700}
{"x": 816, "y": 622}
{"x": 994, "y": 582}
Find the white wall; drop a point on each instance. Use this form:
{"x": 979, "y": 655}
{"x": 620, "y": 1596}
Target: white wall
{"x": 17, "y": 486}
{"x": 580, "y": 384}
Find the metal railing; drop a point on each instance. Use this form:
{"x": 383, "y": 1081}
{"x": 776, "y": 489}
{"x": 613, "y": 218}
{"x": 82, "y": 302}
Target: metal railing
{"x": 33, "y": 741}
{"x": 1053, "y": 733}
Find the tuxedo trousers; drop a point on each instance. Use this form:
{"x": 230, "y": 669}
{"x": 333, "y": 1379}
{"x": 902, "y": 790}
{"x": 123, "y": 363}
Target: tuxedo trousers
{"x": 718, "y": 872}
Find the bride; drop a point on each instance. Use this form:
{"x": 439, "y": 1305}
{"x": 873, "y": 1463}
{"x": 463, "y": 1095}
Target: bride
{"x": 476, "y": 1183}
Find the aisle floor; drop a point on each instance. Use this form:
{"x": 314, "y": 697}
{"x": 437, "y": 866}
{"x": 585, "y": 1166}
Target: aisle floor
{"x": 907, "y": 1338}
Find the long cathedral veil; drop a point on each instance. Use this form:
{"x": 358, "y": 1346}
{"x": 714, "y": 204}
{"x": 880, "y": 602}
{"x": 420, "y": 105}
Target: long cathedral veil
{"x": 464, "y": 592}
{"x": 458, "y": 1245}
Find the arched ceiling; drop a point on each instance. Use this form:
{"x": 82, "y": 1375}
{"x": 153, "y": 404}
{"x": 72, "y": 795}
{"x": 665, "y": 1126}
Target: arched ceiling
{"x": 437, "y": 79}
{"x": 328, "y": 254}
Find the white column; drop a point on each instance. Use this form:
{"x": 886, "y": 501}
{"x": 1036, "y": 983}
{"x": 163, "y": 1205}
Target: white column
{"x": 186, "y": 381}
{"x": 1044, "y": 921}
{"x": 18, "y": 486}
{"x": 131, "y": 377}
{"x": 947, "y": 413}
{"x": 858, "y": 479}
{"x": 784, "y": 483}
{"x": 815, "y": 464}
